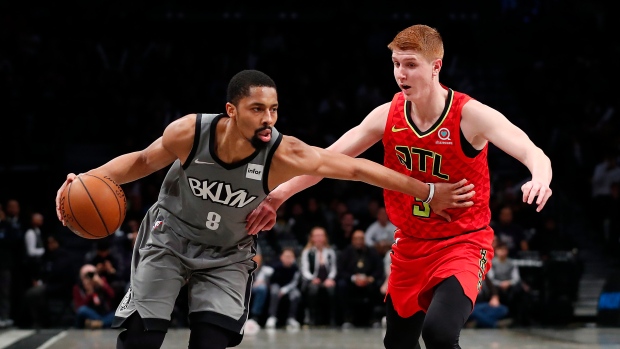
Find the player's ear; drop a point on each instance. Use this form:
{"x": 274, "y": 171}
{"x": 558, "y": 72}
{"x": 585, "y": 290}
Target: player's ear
{"x": 231, "y": 110}
{"x": 436, "y": 66}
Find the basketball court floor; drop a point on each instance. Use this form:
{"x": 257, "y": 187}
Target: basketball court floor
{"x": 590, "y": 338}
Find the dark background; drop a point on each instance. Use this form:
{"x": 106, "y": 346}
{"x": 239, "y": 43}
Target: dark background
{"x": 82, "y": 82}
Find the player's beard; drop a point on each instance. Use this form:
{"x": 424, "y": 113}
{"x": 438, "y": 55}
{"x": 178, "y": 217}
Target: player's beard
{"x": 257, "y": 143}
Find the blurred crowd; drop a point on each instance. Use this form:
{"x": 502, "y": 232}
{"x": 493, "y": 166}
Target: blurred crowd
{"x": 75, "y": 101}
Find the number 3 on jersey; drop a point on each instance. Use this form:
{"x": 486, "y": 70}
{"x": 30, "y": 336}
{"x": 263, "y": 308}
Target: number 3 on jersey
{"x": 213, "y": 220}
{"x": 421, "y": 208}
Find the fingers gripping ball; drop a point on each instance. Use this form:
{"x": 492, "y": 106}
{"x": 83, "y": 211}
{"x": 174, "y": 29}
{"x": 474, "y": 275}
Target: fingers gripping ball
{"x": 93, "y": 207}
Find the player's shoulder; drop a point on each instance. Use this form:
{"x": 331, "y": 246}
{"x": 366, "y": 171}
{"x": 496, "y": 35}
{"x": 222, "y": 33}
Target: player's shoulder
{"x": 290, "y": 145}
{"x": 292, "y": 142}
{"x": 382, "y": 109}
{"x": 183, "y": 123}
{"x": 182, "y": 128}
{"x": 473, "y": 108}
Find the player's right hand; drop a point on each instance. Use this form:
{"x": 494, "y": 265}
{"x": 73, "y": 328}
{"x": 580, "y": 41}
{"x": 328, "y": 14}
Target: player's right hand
{"x": 451, "y": 195}
{"x": 70, "y": 178}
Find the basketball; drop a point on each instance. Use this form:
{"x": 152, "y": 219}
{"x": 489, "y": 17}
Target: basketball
{"x": 93, "y": 207}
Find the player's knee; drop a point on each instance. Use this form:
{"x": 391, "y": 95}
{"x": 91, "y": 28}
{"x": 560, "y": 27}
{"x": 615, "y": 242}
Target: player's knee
{"x": 437, "y": 336}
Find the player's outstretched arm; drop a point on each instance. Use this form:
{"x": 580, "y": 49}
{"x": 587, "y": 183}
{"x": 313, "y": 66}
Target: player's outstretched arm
{"x": 176, "y": 142}
{"x": 294, "y": 158}
{"x": 487, "y": 124}
{"x": 353, "y": 143}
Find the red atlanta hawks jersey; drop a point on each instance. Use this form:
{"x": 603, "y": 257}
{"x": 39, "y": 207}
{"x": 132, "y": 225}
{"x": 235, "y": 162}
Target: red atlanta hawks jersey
{"x": 439, "y": 154}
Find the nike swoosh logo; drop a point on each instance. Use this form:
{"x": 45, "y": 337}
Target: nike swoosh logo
{"x": 203, "y": 162}
{"x": 394, "y": 129}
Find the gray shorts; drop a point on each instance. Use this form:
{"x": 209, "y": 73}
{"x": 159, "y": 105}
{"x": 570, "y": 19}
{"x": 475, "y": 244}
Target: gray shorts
{"x": 219, "y": 279}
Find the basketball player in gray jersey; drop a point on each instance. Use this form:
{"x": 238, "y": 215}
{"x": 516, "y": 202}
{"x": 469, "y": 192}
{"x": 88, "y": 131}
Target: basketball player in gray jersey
{"x": 223, "y": 166}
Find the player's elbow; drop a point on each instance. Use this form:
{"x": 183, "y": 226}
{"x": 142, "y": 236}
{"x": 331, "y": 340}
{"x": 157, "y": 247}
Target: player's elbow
{"x": 357, "y": 172}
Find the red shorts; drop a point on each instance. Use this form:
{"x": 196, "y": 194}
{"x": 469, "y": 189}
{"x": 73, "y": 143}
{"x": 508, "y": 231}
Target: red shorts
{"x": 418, "y": 265}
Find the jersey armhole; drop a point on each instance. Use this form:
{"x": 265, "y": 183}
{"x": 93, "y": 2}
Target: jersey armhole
{"x": 467, "y": 148}
{"x": 192, "y": 153}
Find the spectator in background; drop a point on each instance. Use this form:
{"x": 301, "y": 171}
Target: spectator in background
{"x": 614, "y": 222}
{"x": 92, "y": 300}
{"x": 370, "y": 215}
{"x": 107, "y": 263}
{"x": 504, "y": 274}
{"x": 380, "y": 234}
{"x": 11, "y": 247}
{"x": 33, "y": 237}
{"x": 283, "y": 282}
{"x": 360, "y": 274}
{"x": 605, "y": 173}
{"x": 318, "y": 271}
{"x": 488, "y": 310}
{"x": 54, "y": 282}
{"x": 35, "y": 248}
{"x": 334, "y": 215}
{"x": 509, "y": 232}
{"x": 313, "y": 216}
{"x": 342, "y": 234}
{"x": 298, "y": 227}
{"x": 12, "y": 214}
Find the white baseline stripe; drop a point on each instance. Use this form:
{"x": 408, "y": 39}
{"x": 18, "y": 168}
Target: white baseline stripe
{"x": 53, "y": 340}
{"x": 9, "y": 337}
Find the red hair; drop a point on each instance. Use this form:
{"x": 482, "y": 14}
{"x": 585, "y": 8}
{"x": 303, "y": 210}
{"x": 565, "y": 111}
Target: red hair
{"x": 420, "y": 38}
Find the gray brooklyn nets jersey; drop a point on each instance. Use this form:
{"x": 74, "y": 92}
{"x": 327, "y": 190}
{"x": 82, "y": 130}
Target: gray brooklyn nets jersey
{"x": 209, "y": 199}
{"x": 195, "y": 234}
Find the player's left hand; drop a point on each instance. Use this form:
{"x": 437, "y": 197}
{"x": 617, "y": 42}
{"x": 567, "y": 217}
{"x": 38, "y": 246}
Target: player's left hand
{"x": 533, "y": 189}
{"x": 261, "y": 218}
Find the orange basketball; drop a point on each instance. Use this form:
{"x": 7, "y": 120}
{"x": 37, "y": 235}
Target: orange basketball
{"x": 93, "y": 207}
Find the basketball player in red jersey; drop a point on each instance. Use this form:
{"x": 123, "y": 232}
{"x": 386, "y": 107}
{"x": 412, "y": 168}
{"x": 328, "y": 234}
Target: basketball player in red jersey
{"x": 435, "y": 134}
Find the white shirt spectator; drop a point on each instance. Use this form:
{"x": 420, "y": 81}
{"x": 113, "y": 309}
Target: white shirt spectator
{"x": 382, "y": 230}
{"x": 33, "y": 239}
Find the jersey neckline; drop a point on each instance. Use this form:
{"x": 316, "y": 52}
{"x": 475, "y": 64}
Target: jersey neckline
{"x": 437, "y": 123}
{"x": 212, "y": 134}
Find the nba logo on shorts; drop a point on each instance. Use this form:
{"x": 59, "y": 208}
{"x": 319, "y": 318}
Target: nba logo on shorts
{"x": 125, "y": 302}
{"x": 157, "y": 224}
{"x": 254, "y": 171}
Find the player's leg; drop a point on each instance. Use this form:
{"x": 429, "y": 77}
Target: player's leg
{"x": 157, "y": 276}
{"x": 219, "y": 299}
{"x": 137, "y": 337}
{"x": 446, "y": 315}
{"x": 402, "y": 333}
